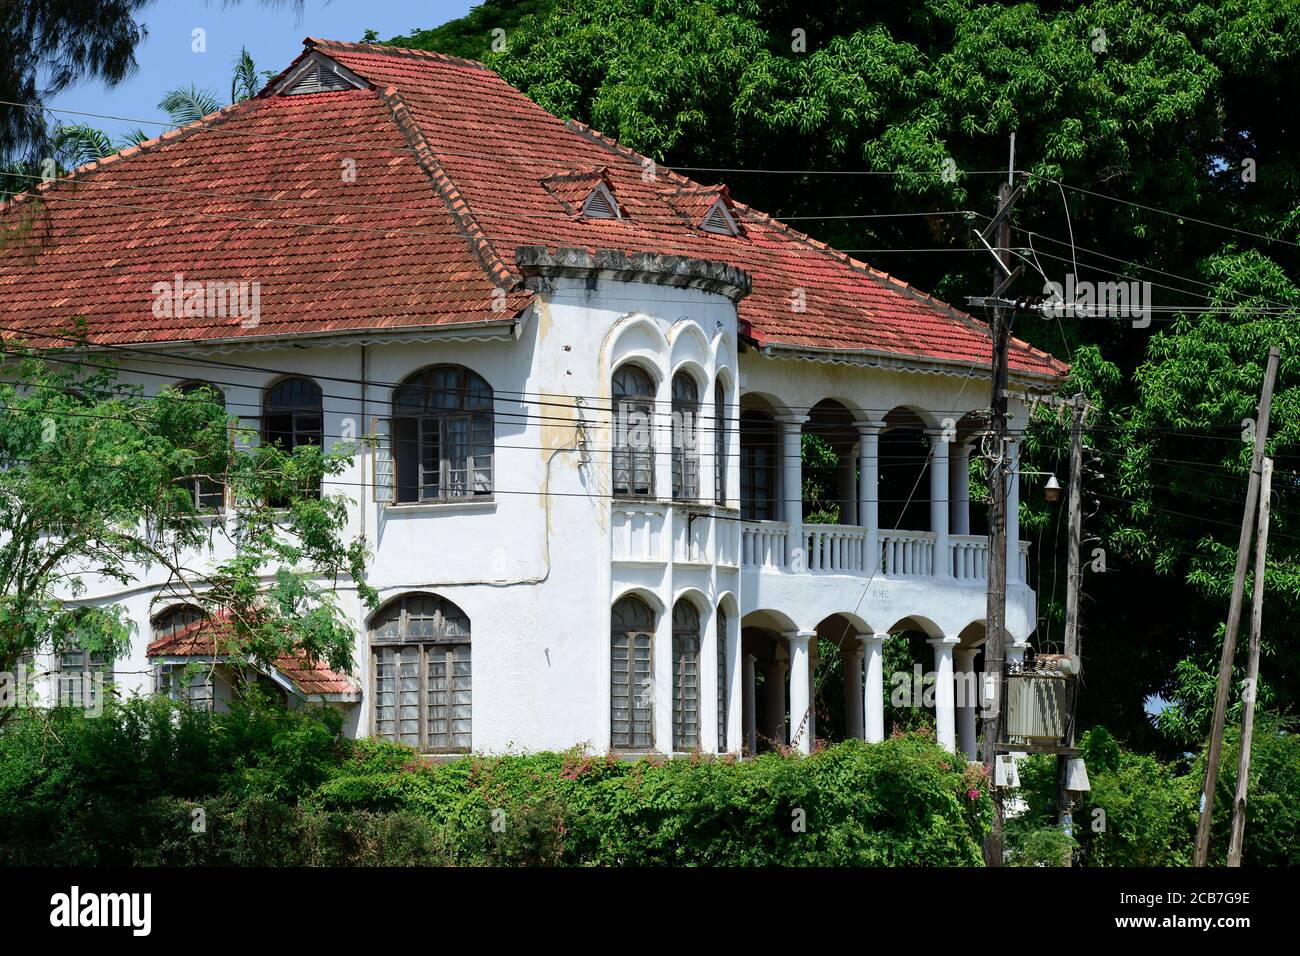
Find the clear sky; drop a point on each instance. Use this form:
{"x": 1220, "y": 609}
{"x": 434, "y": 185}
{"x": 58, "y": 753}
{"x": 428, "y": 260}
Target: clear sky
{"x": 272, "y": 34}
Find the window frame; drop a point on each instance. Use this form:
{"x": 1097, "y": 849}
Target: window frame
{"x": 297, "y": 434}
{"x": 426, "y": 647}
{"x": 625, "y": 458}
{"x": 721, "y": 624}
{"x": 720, "y": 443}
{"x": 634, "y": 632}
{"x": 686, "y": 410}
{"x": 433, "y": 434}
{"x": 204, "y": 487}
{"x": 687, "y": 639}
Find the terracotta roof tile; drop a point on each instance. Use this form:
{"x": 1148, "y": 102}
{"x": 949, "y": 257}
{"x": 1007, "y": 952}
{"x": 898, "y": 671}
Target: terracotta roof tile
{"x": 455, "y": 169}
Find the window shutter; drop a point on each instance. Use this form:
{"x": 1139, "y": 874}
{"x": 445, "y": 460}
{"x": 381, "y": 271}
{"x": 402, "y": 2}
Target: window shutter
{"x": 383, "y": 470}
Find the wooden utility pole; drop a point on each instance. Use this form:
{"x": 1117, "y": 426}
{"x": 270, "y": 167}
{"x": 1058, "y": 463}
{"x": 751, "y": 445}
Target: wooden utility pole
{"x": 1202, "y": 852}
{"x": 1073, "y": 586}
{"x": 999, "y": 474}
{"x": 1252, "y": 670}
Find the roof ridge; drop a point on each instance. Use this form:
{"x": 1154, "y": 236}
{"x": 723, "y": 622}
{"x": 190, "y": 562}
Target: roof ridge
{"x": 348, "y": 46}
{"x": 481, "y": 246}
{"x": 175, "y": 134}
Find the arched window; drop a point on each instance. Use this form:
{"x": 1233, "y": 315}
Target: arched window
{"x": 631, "y": 688}
{"x": 759, "y": 458}
{"x": 420, "y": 667}
{"x": 634, "y": 457}
{"x": 293, "y": 415}
{"x": 686, "y": 676}
{"x": 175, "y": 619}
{"x": 443, "y": 435}
{"x": 720, "y": 443}
{"x": 686, "y": 438}
{"x": 722, "y": 678}
{"x": 209, "y": 491}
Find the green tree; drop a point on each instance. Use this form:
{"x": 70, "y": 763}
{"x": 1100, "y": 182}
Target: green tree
{"x": 98, "y": 482}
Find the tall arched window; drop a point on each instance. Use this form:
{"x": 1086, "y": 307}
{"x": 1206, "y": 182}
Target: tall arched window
{"x": 209, "y": 490}
{"x": 443, "y": 435}
{"x": 686, "y": 676}
{"x": 686, "y": 438}
{"x": 759, "y": 458}
{"x": 293, "y": 415}
{"x": 634, "y": 458}
{"x": 631, "y": 688}
{"x": 719, "y": 443}
{"x": 722, "y": 678}
{"x": 420, "y": 667}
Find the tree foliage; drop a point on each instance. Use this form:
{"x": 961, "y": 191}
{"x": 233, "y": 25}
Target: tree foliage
{"x": 97, "y": 490}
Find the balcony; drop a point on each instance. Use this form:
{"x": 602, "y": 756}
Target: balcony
{"x": 846, "y": 549}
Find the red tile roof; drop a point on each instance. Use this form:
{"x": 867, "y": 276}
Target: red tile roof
{"x": 455, "y": 170}
{"x": 205, "y": 639}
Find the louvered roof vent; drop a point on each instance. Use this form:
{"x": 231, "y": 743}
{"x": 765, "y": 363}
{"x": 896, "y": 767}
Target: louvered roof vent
{"x": 318, "y": 74}
{"x": 585, "y": 192}
{"x": 600, "y": 204}
{"x": 720, "y": 220}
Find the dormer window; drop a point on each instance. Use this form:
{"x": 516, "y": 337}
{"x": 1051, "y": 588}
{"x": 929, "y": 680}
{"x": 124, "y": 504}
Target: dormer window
{"x": 720, "y": 220}
{"x": 601, "y": 204}
{"x": 318, "y": 74}
{"x": 585, "y": 193}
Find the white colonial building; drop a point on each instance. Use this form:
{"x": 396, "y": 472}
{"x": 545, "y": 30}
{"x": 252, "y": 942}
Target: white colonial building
{"x": 580, "y": 385}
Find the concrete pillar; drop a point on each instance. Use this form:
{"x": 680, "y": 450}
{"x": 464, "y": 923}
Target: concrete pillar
{"x": 959, "y": 489}
{"x": 800, "y": 686}
{"x": 813, "y": 661}
{"x": 869, "y": 489}
{"x": 853, "y": 700}
{"x": 1013, "y": 511}
{"x": 708, "y": 676}
{"x": 749, "y": 705}
{"x": 967, "y": 700}
{"x": 848, "y": 490}
{"x": 774, "y": 700}
{"x": 874, "y": 686}
{"x": 792, "y": 488}
{"x": 944, "y": 715}
{"x": 939, "y": 502}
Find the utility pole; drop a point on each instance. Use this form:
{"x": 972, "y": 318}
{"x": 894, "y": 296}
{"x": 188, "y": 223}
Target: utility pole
{"x": 1252, "y": 671}
{"x": 1202, "y": 852}
{"x": 999, "y": 474}
{"x": 1073, "y": 585}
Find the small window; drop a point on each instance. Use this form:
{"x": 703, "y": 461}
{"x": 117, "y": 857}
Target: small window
{"x": 81, "y": 678}
{"x": 443, "y": 435}
{"x": 209, "y": 490}
{"x": 293, "y": 415}
{"x": 686, "y": 435}
{"x": 631, "y": 682}
{"x": 420, "y": 662}
{"x": 722, "y": 679}
{"x": 634, "y": 460}
{"x": 686, "y": 676}
{"x": 720, "y": 443}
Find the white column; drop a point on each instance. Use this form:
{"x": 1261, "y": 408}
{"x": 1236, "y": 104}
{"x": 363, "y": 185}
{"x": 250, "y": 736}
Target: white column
{"x": 959, "y": 489}
{"x": 735, "y": 688}
{"x": 792, "y": 488}
{"x": 939, "y": 503}
{"x": 1014, "y": 649}
{"x": 662, "y": 688}
{"x": 848, "y": 491}
{"x": 968, "y": 699}
{"x": 853, "y": 701}
{"x": 749, "y": 705}
{"x": 874, "y": 686}
{"x": 869, "y": 489}
{"x": 944, "y": 718}
{"x": 1013, "y": 511}
{"x": 800, "y": 702}
{"x": 708, "y": 690}
{"x": 813, "y": 661}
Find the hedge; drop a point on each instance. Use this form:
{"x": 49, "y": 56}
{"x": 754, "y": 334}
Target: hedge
{"x": 147, "y": 783}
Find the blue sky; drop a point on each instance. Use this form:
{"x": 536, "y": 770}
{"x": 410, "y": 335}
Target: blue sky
{"x": 273, "y": 35}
